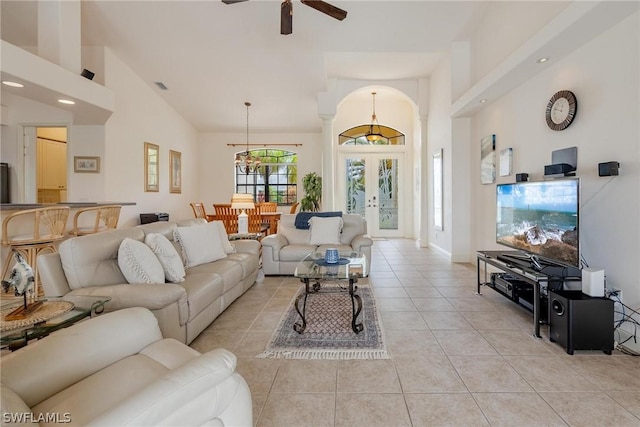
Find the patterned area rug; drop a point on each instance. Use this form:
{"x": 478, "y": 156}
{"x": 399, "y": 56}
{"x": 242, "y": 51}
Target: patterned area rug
{"x": 328, "y": 334}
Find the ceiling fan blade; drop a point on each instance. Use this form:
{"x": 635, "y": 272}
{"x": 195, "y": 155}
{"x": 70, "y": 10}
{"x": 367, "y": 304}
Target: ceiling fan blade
{"x": 232, "y": 1}
{"x": 326, "y": 8}
{"x": 286, "y": 17}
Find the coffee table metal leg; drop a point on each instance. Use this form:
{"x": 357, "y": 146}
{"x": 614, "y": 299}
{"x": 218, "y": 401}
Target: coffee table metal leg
{"x": 355, "y": 298}
{"x": 299, "y": 327}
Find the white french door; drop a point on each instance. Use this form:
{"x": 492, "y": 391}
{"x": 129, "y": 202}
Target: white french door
{"x": 372, "y": 186}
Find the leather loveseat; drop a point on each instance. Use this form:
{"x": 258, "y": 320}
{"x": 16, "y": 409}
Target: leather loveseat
{"x": 282, "y": 252}
{"x": 88, "y": 265}
{"x": 117, "y": 370}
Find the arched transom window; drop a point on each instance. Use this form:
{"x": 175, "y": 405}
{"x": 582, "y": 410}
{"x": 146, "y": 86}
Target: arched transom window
{"x": 358, "y": 136}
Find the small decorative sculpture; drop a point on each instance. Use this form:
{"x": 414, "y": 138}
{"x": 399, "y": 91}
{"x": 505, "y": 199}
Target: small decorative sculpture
{"x": 22, "y": 279}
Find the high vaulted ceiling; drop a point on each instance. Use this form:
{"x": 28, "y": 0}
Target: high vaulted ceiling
{"x": 213, "y": 57}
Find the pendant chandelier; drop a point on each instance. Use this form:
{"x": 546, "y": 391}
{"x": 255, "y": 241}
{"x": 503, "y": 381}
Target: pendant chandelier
{"x": 245, "y": 162}
{"x": 374, "y": 133}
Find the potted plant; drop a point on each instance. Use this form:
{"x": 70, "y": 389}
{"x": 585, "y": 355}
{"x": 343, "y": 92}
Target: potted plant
{"x": 312, "y": 186}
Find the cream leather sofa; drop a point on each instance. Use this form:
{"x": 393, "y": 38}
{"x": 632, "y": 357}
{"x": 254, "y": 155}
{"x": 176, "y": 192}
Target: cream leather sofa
{"x": 117, "y": 370}
{"x": 88, "y": 265}
{"x": 282, "y": 252}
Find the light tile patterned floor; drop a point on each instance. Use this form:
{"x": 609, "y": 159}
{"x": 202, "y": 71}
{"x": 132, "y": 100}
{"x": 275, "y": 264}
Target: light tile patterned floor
{"x": 458, "y": 359}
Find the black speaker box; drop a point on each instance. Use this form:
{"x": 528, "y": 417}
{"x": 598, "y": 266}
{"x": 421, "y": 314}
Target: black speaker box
{"x": 522, "y": 177}
{"x": 559, "y": 168}
{"x": 146, "y": 218}
{"x": 87, "y": 74}
{"x": 580, "y": 322}
{"x": 608, "y": 169}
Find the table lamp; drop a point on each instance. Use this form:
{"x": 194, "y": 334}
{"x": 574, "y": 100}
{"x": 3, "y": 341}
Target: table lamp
{"x": 242, "y": 201}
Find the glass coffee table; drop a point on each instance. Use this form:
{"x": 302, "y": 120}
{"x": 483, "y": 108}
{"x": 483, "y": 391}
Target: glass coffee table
{"x": 83, "y": 307}
{"x": 313, "y": 271}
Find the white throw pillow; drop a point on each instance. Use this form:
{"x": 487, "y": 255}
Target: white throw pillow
{"x": 200, "y": 244}
{"x": 224, "y": 238}
{"x": 325, "y": 231}
{"x": 167, "y": 255}
{"x": 138, "y": 263}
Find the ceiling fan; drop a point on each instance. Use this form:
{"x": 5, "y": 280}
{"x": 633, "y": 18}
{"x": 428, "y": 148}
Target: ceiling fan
{"x": 286, "y": 12}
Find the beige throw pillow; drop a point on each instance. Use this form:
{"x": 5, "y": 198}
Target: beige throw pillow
{"x": 200, "y": 244}
{"x": 167, "y": 255}
{"x": 325, "y": 231}
{"x": 224, "y": 238}
{"x": 138, "y": 263}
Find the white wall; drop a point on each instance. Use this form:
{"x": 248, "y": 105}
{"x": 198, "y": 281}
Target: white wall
{"x": 140, "y": 116}
{"x": 606, "y": 83}
{"x": 215, "y": 160}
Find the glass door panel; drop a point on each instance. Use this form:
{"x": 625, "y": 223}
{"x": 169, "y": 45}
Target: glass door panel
{"x": 388, "y": 194}
{"x": 355, "y": 180}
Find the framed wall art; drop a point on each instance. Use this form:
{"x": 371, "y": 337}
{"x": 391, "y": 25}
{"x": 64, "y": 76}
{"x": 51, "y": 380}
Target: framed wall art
{"x": 151, "y": 170}
{"x": 488, "y": 159}
{"x": 175, "y": 172}
{"x": 506, "y": 158}
{"x": 84, "y": 164}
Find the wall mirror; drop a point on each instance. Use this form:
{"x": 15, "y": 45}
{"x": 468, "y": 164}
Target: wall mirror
{"x": 438, "y": 217}
{"x": 151, "y": 170}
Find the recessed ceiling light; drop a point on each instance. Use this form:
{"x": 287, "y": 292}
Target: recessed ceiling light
{"x": 66, "y": 101}
{"x": 541, "y": 60}
{"x": 12, "y": 84}
{"x": 482, "y": 101}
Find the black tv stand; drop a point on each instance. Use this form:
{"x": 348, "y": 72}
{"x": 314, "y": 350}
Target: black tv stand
{"x": 519, "y": 266}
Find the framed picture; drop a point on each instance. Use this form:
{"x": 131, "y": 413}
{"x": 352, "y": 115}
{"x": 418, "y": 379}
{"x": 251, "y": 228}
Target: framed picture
{"x": 175, "y": 172}
{"x": 438, "y": 214}
{"x": 506, "y": 157}
{"x": 84, "y": 164}
{"x": 151, "y": 170}
{"x": 488, "y": 159}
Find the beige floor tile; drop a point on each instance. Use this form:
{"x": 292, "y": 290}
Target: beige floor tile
{"x": 252, "y": 343}
{"x": 395, "y": 292}
{"x": 395, "y": 304}
{"x": 515, "y": 343}
{"x": 496, "y": 319}
{"x": 488, "y": 374}
{"x": 371, "y": 410}
{"x": 610, "y": 373}
{"x": 415, "y": 282}
{"x": 422, "y": 291}
{"x": 210, "y": 340}
{"x": 517, "y": 409}
{"x": 247, "y": 305}
{"x": 286, "y": 292}
{"x": 385, "y": 283}
{"x": 266, "y": 321}
{"x": 436, "y": 410}
{"x": 472, "y": 303}
{"x": 406, "y": 344}
{"x": 232, "y": 321}
{"x": 278, "y": 304}
{"x": 548, "y": 373}
{"x": 445, "y": 320}
{"x": 382, "y": 275}
{"x": 428, "y": 374}
{"x": 403, "y": 321}
{"x": 628, "y": 400}
{"x": 306, "y": 376}
{"x": 456, "y": 291}
{"x": 258, "y": 373}
{"x": 367, "y": 376}
{"x": 409, "y": 274}
{"x": 463, "y": 342}
{"x": 590, "y": 409}
{"x": 433, "y": 304}
{"x": 257, "y": 401}
{"x": 298, "y": 409}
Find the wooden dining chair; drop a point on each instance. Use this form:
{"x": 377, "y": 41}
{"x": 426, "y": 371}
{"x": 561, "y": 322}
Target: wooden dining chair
{"x": 199, "y": 211}
{"x": 256, "y": 224}
{"x": 228, "y": 216}
{"x": 46, "y": 227}
{"x": 105, "y": 218}
{"x": 294, "y": 208}
{"x": 268, "y": 207}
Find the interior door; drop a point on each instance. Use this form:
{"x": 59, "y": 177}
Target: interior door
{"x": 373, "y": 188}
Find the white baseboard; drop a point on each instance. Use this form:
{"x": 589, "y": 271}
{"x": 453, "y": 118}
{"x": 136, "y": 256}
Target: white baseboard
{"x": 440, "y": 250}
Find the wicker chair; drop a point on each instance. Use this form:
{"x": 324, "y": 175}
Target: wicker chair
{"x": 105, "y": 218}
{"x": 47, "y": 227}
{"x": 200, "y": 212}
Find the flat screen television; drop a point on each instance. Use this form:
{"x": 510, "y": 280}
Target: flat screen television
{"x": 541, "y": 219}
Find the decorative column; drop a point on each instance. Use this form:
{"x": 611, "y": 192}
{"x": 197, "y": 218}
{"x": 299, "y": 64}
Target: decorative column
{"x": 328, "y": 162}
{"x": 59, "y": 33}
